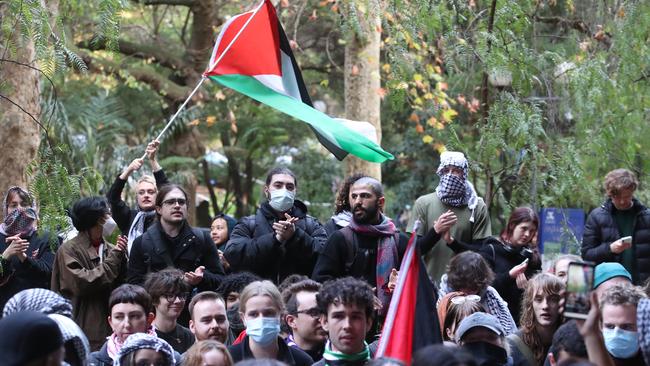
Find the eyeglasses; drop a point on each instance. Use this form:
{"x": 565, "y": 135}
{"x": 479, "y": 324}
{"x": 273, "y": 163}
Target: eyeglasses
{"x": 173, "y": 201}
{"x": 463, "y": 299}
{"x": 313, "y": 312}
{"x": 172, "y": 297}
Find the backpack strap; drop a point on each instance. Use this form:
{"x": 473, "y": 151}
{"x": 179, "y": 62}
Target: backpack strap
{"x": 352, "y": 246}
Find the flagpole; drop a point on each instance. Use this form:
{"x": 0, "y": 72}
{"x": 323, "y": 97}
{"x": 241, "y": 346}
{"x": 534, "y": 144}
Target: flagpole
{"x": 178, "y": 111}
{"x": 392, "y": 309}
{"x": 212, "y": 66}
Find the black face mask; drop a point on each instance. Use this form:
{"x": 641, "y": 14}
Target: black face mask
{"x": 487, "y": 354}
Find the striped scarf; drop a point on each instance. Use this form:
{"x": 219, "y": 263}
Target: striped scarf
{"x": 338, "y": 359}
{"x": 387, "y": 256}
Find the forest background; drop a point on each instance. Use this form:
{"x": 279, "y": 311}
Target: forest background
{"x": 543, "y": 96}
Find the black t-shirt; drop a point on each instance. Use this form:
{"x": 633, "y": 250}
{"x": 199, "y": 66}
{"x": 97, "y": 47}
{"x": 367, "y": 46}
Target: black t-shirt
{"x": 180, "y": 338}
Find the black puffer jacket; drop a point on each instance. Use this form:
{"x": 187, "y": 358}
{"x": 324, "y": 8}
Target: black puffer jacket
{"x": 502, "y": 258}
{"x": 35, "y": 271}
{"x": 601, "y": 230}
{"x": 253, "y": 246}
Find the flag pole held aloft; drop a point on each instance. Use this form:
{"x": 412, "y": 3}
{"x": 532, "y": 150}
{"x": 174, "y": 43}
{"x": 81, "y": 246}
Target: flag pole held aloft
{"x": 252, "y": 56}
{"x": 196, "y": 88}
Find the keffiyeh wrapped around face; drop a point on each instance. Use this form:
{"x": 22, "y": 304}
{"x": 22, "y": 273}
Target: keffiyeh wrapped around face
{"x": 145, "y": 341}
{"x": 23, "y": 219}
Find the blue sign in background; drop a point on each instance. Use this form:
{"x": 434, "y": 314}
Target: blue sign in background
{"x": 560, "y": 230}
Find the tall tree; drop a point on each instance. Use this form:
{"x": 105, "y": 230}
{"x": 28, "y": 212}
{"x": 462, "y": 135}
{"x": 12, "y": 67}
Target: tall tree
{"x": 20, "y": 109}
{"x": 362, "y": 75}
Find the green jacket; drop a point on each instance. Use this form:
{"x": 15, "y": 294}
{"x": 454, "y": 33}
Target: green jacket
{"x": 428, "y": 208}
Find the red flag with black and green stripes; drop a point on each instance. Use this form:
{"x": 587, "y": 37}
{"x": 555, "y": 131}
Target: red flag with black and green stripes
{"x": 252, "y": 56}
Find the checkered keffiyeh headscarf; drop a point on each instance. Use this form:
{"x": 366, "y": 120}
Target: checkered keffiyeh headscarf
{"x": 143, "y": 340}
{"x": 643, "y": 328}
{"x": 21, "y": 221}
{"x": 73, "y": 334}
{"x": 38, "y": 299}
{"x": 453, "y": 190}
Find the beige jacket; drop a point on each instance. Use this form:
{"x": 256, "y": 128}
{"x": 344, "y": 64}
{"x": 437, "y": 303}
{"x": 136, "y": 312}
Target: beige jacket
{"x": 79, "y": 275}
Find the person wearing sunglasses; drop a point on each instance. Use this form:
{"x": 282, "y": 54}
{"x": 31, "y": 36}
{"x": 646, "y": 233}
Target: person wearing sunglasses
{"x": 169, "y": 291}
{"x": 133, "y": 222}
{"x": 303, "y": 318}
{"x": 454, "y": 307}
{"x": 172, "y": 242}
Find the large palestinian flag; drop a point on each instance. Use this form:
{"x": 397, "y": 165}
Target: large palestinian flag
{"x": 252, "y": 56}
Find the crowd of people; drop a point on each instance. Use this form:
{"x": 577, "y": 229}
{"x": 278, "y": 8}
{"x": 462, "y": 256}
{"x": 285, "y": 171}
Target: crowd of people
{"x": 280, "y": 288}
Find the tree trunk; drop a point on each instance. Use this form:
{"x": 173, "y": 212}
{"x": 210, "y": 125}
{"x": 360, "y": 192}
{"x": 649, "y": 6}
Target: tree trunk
{"x": 362, "y": 77}
{"x": 19, "y": 133}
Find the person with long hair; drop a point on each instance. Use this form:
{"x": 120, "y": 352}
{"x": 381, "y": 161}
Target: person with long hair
{"x": 540, "y": 318}
{"x": 342, "y": 210}
{"x": 454, "y": 307}
{"x": 513, "y": 256}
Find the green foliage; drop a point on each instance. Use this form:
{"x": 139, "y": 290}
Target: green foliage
{"x": 55, "y": 189}
{"x": 318, "y": 175}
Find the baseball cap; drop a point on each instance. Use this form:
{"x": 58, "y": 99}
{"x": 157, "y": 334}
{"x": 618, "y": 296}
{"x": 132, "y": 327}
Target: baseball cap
{"x": 479, "y": 319}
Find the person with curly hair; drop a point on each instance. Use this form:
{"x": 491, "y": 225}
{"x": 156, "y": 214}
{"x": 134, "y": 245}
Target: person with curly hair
{"x": 169, "y": 292}
{"x": 620, "y": 323}
{"x": 347, "y": 305}
{"x": 540, "y": 318}
{"x": 470, "y": 274}
{"x": 342, "y": 210}
{"x": 620, "y": 216}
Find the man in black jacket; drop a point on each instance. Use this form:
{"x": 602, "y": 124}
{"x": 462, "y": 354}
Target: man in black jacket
{"x": 172, "y": 242}
{"x": 134, "y": 222}
{"x": 280, "y": 239}
{"x": 370, "y": 247}
{"x": 620, "y": 216}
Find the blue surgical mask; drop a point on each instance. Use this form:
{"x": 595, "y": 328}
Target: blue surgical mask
{"x": 621, "y": 343}
{"x": 263, "y": 330}
{"x": 281, "y": 199}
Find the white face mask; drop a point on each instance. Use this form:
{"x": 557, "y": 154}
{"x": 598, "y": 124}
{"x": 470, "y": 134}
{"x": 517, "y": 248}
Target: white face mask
{"x": 109, "y": 226}
{"x": 281, "y": 199}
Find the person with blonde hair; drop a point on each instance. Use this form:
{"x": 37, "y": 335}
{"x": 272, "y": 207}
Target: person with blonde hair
{"x": 260, "y": 307}
{"x": 134, "y": 222}
{"x": 609, "y": 227}
{"x": 207, "y": 353}
{"x": 540, "y": 318}
{"x": 560, "y": 265}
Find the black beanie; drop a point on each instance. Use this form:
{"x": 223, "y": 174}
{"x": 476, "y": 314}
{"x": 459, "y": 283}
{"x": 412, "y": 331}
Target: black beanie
{"x": 26, "y": 336}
